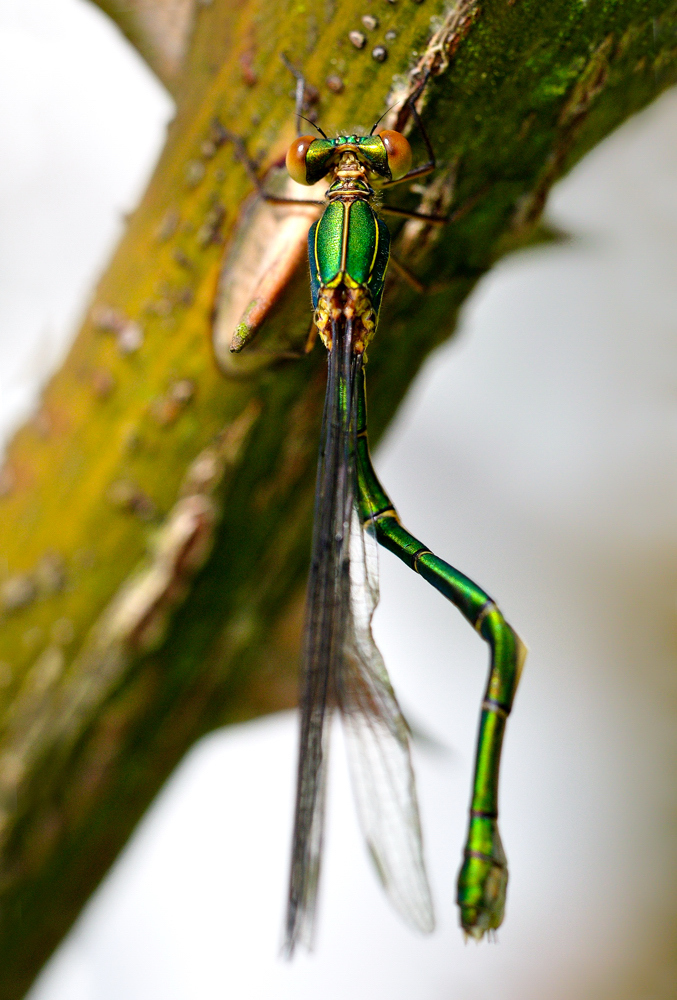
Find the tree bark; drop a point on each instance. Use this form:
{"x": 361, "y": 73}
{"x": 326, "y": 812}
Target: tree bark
{"x": 155, "y": 513}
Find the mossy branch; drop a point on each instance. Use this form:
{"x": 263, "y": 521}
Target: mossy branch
{"x": 155, "y": 514}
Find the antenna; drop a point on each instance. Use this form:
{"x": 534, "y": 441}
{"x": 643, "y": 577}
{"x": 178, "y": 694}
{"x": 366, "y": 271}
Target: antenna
{"x": 383, "y": 116}
{"x": 318, "y": 127}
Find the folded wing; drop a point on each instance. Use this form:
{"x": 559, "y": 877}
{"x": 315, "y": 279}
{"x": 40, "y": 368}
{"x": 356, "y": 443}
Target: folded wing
{"x": 377, "y": 740}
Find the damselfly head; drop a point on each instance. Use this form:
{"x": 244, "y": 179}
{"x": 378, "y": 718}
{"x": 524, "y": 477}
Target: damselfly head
{"x": 385, "y": 157}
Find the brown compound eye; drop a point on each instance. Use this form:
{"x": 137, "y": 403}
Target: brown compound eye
{"x": 399, "y": 152}
{"x": 296, "y": 158}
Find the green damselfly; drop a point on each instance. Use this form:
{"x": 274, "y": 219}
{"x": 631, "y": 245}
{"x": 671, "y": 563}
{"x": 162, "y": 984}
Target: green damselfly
{"x": 349, "y": 249}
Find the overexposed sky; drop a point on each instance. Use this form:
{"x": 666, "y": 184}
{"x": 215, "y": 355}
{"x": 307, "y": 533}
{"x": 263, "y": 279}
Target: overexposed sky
{"x": 82, "y": 121}
{"x": 537, "y": 452}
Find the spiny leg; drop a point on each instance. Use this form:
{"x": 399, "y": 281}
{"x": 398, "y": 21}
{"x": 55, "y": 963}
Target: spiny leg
{"x": 429, "y": 166}
{"x": 483, "y": 878}
{"x": 272, "y": 283}
{"x": 304, "y": 96}
{"x": 422, "y": 171}
{"x": 402, "y": 269}
{"x": 251, "y": 169}
{"x": 408, "y": 275}
{"x": 438, "y": 220}
{"x": 433, "y": 220}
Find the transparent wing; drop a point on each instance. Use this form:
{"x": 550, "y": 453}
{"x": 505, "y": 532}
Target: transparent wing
{"x": 378, "y": 746}
{"x": 309, "y": 830}
{"x": 327, "y": 621}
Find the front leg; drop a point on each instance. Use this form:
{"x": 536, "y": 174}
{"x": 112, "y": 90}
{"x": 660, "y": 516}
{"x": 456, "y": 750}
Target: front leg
{"x": 268, "y": 249}
{"x": 483, "y": 878}
{"x": 279, "y": 256}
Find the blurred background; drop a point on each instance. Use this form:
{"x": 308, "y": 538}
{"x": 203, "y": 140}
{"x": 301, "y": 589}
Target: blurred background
{"x": 537, "y": 452}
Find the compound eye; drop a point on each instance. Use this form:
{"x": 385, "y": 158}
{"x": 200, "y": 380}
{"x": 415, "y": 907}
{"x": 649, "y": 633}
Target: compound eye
{"x": 296, "y": 158}
{"x": 399, "y": 152}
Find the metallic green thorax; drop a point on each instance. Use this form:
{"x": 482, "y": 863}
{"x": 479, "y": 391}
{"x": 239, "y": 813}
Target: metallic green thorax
{"x": 349, "y": 246}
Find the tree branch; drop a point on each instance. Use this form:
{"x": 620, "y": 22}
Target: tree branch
{"x": 159, "y": 29}
{"x": 155, "y": 516}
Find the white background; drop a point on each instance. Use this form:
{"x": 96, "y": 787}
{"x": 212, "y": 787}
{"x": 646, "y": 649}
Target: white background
{"x": 538, "y": 452}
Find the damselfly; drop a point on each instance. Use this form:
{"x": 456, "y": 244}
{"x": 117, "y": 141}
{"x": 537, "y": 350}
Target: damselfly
{"x": 342, "y": 667}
